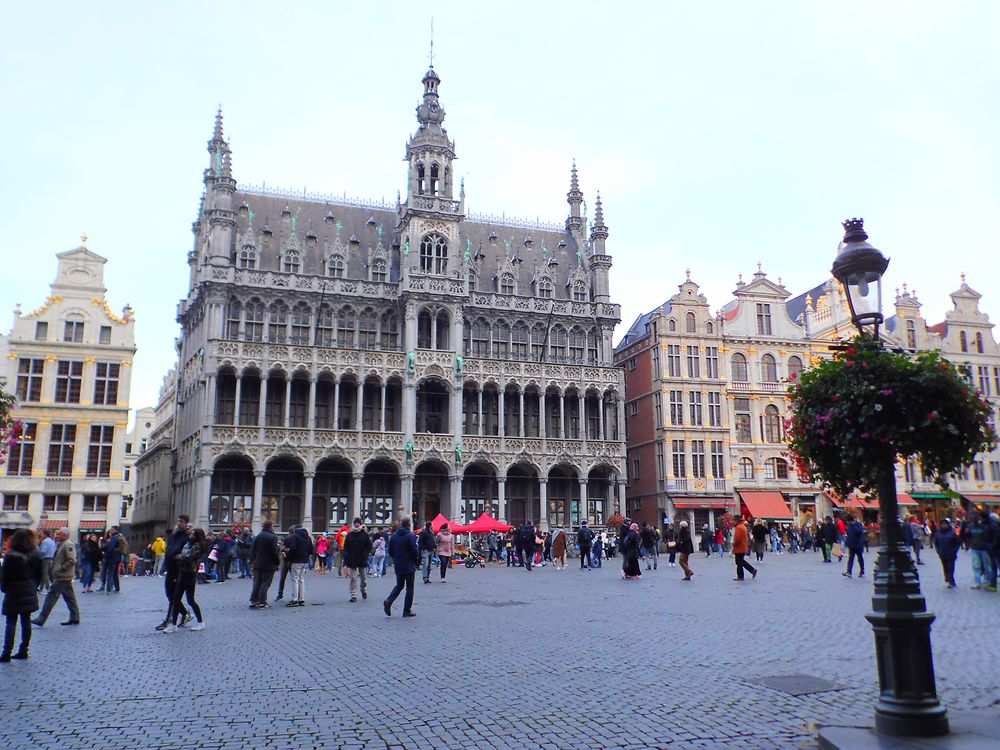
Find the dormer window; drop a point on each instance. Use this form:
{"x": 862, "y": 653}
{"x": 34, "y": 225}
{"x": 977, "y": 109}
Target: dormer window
{"x": 379, "y": 270}
{"x": 690, "y": 322}
{"x": 545, "y": 287}
{"x": 579, "y": 292}
{"x": 434, "y": 254}
{"x": 335, "y": 268}
{"x": 248, "y": 257}
{"x": 292, "y": 262}
{"x": 506, "y": 284}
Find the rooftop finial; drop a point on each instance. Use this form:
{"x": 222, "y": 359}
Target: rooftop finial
{"x": 688, "y": 272}
{"x": 83, "y": 240}
{"x": 430, "y": 57}
{"x": 217, "y": 132}
{"x": 962, "y": 276}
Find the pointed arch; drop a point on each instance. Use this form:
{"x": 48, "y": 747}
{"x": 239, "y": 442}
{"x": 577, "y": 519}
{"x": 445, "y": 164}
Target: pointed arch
{"x": 277, "y": 322}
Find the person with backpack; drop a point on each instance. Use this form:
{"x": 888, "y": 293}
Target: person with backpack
{"x": 599, "y": 550}
{"x": 585, "y": 540}
{"x": 243, "y": 542}
{"x": 20, "y": 577}
{"x": 526, "y": 545}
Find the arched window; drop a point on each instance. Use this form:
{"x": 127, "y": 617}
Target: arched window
{"x": 592, "y": 347}
{"x": 248, "y": 257}
{"x": 335, "y": 266}
{"x": 479, "y": 338}
{"x": 746, "y": 469}
{"x": 794, "y": 367}
{"x": 768, "y": 369}
{"x": 519, "y": 340}
{"x": 301, "y": 321}
{"x": 345, "y": 327}
{"x": 671, "y": 325}
{"x": 545, "y": 287}
{"x": 579, "y": 292}
{"x": 710, "y": 327}
{"x": 233, "y": 315}
{"x": 442, "y": 323}
{"x": 367, "y": 329}
{"x": 472, "y": 279}
{"x": 292, "y": 262}
{"x": 911, "y": 335}
{"x": 772, "y": 424}
{"x": 979, "y": 342}
{"x": 420, "y": 178}
{"x": 690, "y": 323}
{"x": 253, "y": 320}
{"x": 963, "y": 341}
{"x": 537, "y": 342}
{"x": 434, "y": 254}
{"x": 557, "y": 344}
{"x": 738, "y": 365}
{"x": 434, "y": 178}
{"x": 506, "y": 284}
{"x": 775, "y": 468}
{"x": 501, "y": 339}
{"x": 424, "y": 329}
{"x": 379, "y": 272}
{"x": 277, "y": 323}
{"x": 324, "y": 327}
{"x": 577, "y": 344}
{"x": 390, "y": 330}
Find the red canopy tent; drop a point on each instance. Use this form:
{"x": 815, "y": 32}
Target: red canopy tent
{"x": 440, "y": 520}
{"x": 485, "y": 524}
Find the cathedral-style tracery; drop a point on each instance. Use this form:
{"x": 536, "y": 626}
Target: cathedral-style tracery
{"x": 343, "y": 358}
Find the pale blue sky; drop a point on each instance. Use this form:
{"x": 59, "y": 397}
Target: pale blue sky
{"x": 719, "y": 133}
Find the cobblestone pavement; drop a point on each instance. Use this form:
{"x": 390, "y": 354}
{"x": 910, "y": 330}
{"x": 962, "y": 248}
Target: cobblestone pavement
{"x": 494, "y": 659}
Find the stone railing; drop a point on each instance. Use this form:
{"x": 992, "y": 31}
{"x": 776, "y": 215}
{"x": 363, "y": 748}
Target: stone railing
{"x": 523, "y": 371}
{"x": 514, "y": 302}
{"x": 322, "y": 285}
{"x": 261, "y": 354}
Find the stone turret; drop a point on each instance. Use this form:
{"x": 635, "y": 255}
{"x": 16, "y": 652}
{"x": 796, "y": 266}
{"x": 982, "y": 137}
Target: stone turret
{"x": 600, "y": 261}
{"x": 219, "y": 189}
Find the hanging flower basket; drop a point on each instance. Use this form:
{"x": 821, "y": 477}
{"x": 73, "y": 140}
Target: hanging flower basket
{"x": 614, "y": 521}
{"x": 854, "y": 414}
{"x": 10, "y": 428}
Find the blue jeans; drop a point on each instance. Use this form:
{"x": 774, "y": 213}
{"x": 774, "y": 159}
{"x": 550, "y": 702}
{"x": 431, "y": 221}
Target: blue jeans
{"x": 110, "y": 576}
{"x": 982, "y": 568}
{"x": 385, "y": 563}
{"x": 425, "y": 568}
{"x": 87, "y": 578}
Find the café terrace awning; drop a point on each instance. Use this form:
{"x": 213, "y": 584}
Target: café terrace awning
{"x": 701, "y": 502}
{"x": 769, "y": 505}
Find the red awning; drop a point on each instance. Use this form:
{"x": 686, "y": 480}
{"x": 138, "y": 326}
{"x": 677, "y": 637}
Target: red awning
{"x": 92, "y": 525}
{"x": 701, "y": 503}
{"x": 485, "y": 524}
{"x": 983, "y": 499}
{"x": 440, "y": 520}
{"x": 852, "y": 501}
{"x": 51, "y": 525}
{"x": 903, "y": 499}
{"x": 767, "y": 504}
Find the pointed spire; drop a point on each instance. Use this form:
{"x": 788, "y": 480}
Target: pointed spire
{"x": 598, "y": 231}
{"x": 575, "y": 200}
{"x": 217, "y": 133}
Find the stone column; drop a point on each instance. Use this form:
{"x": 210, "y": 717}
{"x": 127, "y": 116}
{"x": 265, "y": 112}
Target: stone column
{"x": 354, "y": 504}
{"x": 258, "y": 500}
{"x": 600, "y": 418}
{"x": 409, "y": 411}
{"x": 336, "y": 404}
{"x": 480, "y": 430}
{"x": 501, "y": 499}
{"x": 210, "y": 392}
{"x": 501, "y": 406}
{"x": 307, "y": 502}
{"x": 520, "y": 425}
{"x": 203, "y": 490}
{"x": 383, "y": 399}
{"x": 262, "y": 405}
{"x": 455, "y": 413}
{"x": 288, "y": 399}
{"x": 562, "y": 416}
{"x": 406, "y": 485}
{"x": 620, "y": 417}
{"x": 583, "y": 502}
{"x": 456, "y": 498}
{"x": 236, "y": 408}
{"x": 542, "y": 416}
{"x": 543, "y": 503}
{"x": 581, "y": 418}
{"x": 621, "y": 496}
{"x": 359, "y": 405}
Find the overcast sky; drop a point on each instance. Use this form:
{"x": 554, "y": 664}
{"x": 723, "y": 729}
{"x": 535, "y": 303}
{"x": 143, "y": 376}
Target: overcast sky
{"x": 719, "y": 134}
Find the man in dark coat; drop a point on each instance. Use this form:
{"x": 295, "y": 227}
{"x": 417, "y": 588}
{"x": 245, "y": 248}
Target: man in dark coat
{"x": 425, "y": 545}
{"x": 827, "y": 537}
{"x": 265, "y": 559}
{"x": 298, "y": 549}
{"x": 175, "y": 544}
{"x": 585, "y": 539}
{"x": 855, "y": 546}
{"x": 405, "y": 559}
{"x": 526, "y": 544}
{"x": 947, "y": 544}
{"x": 357, "y": 548}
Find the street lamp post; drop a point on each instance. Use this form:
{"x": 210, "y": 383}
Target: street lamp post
{"x": 908, "y": 705}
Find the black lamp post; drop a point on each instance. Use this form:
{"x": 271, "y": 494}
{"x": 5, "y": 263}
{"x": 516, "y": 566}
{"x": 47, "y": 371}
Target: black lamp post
{"x": 908, "y": 705}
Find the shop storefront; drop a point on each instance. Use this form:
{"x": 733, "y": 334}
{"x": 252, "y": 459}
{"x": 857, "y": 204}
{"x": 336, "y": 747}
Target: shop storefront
{"x": 700, "y": 510}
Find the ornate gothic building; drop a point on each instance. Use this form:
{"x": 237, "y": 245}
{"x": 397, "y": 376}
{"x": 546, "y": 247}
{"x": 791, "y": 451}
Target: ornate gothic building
{"x": 342, "y": 358}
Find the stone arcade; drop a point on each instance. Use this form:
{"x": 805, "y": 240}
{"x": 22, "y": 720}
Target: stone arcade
{"x": 342, "y": 358}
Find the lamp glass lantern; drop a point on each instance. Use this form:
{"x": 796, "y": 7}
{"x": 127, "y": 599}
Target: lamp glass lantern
{"x": 859, "y": 268}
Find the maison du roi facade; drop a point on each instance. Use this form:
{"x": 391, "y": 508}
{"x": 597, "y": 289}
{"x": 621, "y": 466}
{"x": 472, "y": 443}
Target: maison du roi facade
{"x": 69, "y": 364}
{"x": 706, "y": 399}
{"x": 342, "y": 358}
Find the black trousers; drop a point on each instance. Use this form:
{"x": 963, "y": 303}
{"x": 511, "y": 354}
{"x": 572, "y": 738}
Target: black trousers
{"x": 285, "y": 567}
{"x": 742, "y": 564}
{"x": 402, "y": 579}
{"x": 948, "y": 564}
{"x": 8, "y": 633}
{"x": 222, "y": 568}
{"x": 585, "y": 561}
{"x": 261, "y": 583}
{"x": 855, "y": 553}
{"x": 445, "y": 563}
{"x": 526, "y": 557}
{"x": 184, "y": 588}
{"x": 169, "y": 584}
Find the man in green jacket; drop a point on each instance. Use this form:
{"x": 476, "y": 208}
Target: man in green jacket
{"x": 63, "y": 571}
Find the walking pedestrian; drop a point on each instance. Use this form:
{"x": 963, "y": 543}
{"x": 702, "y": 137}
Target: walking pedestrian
{"x": 706, "y": 540}
{"x": 559, "y": 548}
{"x": 526, "y": 545}
{"x": 978, "y": 537}
{"x": 855, "y": 546}
{"x": 599, "y": 551}
{"x": 159, "y": 550}
{"x": 321, "y": 545}
{"x": 112, "y": 559}
{"x": 47, "y": 550}
{"x": 20, "y": 577}
{"x": 90, "y": 557}
{"x": 648, "y": 540}
{"x": 760, "y": 535}
{"x": 265, "y": 559}
{"x": 741, "y": 547}
{"x": 585, "y": 538}
{"x": 405, "y": 557}
{"x": 685, "y": 548}
{"x": 63, "y": 572}
{"x": 425, "y": 545}
{"x": 671, "y": 537}
{"x": 175, "y": 545}
{"x": 188, "y": 562}
{"x": 947, "y": 544}
{"x": 224, "y": 550}
{"x": 445, "y": 548}
{"x": 243, "y": 543}
{"x": 630, "y": 554}
{"x": 827, "y": 537}
{"x": 357, "y": 547}
{"x": 378, "y": 556}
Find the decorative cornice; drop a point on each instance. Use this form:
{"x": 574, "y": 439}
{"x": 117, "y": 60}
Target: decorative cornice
{"x": 52, "y": 299}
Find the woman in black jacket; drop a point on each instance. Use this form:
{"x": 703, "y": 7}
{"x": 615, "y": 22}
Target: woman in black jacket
{"x": 630, "y": 554}
{"x": 90, "y": 556}
{"x": 685, "y": 548}
{"x": 188, "y": 562}
{"x": 20, "y": 577}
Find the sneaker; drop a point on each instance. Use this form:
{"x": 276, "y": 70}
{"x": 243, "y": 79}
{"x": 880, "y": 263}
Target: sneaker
{"x": 973, "y": 586}
{"x": 264, "y": 605}
{"x": 861, "y": 574}
{"x": 292, "y": 603}
{"x": 846, "y": 574}
{"x": 164, "y": 624}
{"x": 352, "y": 599}
{"x": 169, "y": 629}
{"x": 186, "y": 619}
{"x": 989, "y": 588}
{"x": 364, "y": 594}
{"x": 198, "y": 625}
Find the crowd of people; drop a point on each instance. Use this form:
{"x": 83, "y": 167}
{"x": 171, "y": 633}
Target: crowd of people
{"x": 41, "y": 562}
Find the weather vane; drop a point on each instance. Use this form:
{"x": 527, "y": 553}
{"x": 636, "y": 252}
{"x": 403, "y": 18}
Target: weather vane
{"x": 431, "y": 56}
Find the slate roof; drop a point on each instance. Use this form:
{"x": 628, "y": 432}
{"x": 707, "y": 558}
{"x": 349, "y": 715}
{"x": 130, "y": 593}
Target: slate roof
{"x": 796, "y": 306}
{"x": 640, "y": 328}
{"x": 335, "y": 223}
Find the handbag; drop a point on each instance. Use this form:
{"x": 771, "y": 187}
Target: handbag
{"x": 213, "y": 555}
{"x": 671, "y": 544}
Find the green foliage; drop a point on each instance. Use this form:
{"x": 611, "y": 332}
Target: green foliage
{"x": 853, "y": 415}
{"x": 10, "y": 429}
